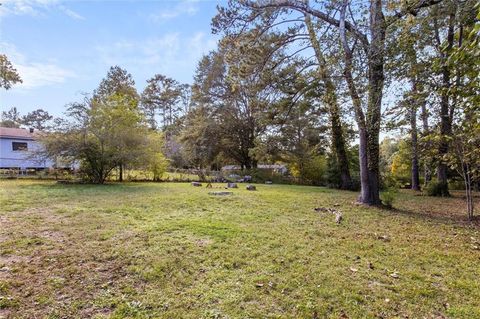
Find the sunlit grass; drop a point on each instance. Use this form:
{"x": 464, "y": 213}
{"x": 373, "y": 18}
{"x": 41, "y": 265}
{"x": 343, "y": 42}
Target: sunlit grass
{"x": 172, "y": 251}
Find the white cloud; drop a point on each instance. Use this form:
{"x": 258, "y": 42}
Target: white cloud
{"x": 182, "y": 8}
{"x": 72, "y": 14}
{"x": 200, "y": 44}
{"x": 35, "y": 8}
{"x": 39, "y": 74}
{"x": 146, "y": 52}
{"x": 170, "y": 54}
{"x": 34, "y": 73}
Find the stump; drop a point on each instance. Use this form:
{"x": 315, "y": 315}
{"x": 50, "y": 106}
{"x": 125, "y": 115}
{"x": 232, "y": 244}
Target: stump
{"x": 251, "y": 188}
{"x": 196, "y": 184}
{"x": 232, "y": 185}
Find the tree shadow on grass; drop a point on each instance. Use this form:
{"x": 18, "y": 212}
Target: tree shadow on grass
{"x": 446, "y": 210}
{"x": 452, "y": 218}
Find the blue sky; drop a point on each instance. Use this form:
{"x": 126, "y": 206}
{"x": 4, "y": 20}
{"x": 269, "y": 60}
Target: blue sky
{"x": 64, "y": 48}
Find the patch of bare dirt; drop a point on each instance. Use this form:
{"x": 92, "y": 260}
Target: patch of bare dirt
{"x": 12, "y": 259}
{"x": 59, "y": 268}
{"x": 4, "y": 313}
{"x": 53, "y": 235}
{"x": 203, "y": 242}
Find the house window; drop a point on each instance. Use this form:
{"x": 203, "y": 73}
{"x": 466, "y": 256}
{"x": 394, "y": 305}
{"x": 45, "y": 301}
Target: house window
{"x": 19, "y": 146}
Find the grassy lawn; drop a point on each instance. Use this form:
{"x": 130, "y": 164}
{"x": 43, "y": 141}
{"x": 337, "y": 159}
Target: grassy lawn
{"x": 173, "y": 251}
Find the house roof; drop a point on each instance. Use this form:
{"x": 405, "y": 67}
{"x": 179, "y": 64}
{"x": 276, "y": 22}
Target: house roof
{"x": 17, "y": 133}
{"x": 230, "y": 167}
{"x": 260, "y": 166}
{"x": 271, "y": 166}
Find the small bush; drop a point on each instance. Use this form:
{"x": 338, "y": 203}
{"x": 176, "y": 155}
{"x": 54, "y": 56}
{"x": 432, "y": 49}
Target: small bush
{"x": 435, "y": 188}
{"x": 311, "y": 170}
{"x": 261, "y": 176}
{"x": 388, "y": 197}
{"x": 457, "y": 185}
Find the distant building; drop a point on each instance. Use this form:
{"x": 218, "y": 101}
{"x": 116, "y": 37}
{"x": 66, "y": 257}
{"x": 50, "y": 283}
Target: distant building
{"x": 277, "y": 168}
{"x": 17, "y": 147}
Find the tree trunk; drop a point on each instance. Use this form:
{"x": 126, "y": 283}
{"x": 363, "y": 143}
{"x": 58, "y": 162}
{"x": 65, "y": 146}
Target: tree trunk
{"x": 445, "y": 120}
{"x": 468, "y": 191}
{"x": 375, "y": 94}
{"x": 120, "y": 173}
{"x": 330, "y": 99}
{"x": 445, "y": 129}
{"x": 427, "y": 172}
{"x": 341, "y": 153}
{"x": 366, "y": 187}
{"x": 414, "y": 140}
{"x": 365, "y": 191}
{"x": 369, "y": 125}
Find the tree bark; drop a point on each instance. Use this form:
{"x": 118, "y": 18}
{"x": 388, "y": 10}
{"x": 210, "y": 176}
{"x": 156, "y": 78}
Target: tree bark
{"x": 369, "y": 127}
{"x": 414, "y": 100}
{"x": 376, "y": 80}
{"x": 414, "y": 140}
{"x": 120, "y": 173}
{"x": 445, "y": 120}
{"x": 427, "y": 172}
{"x": 468, "y": 191}
{"x": 331, "y": 101}
{"x": 366, "y": 187}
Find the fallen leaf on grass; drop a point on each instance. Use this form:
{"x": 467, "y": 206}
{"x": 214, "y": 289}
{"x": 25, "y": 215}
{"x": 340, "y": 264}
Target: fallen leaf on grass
{"x": 394, "y": 275}
{"x": 383, "y": 237}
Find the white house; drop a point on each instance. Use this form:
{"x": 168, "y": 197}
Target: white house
{"x": 17, "y": 147}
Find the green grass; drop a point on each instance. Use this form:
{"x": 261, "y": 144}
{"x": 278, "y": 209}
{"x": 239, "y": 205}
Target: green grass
{"x": 170, "y": 250}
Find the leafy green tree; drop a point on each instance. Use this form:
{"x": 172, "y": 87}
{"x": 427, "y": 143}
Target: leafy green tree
{"x": 465, "y": 154}
{"x": 38, "y": 119}
{"x": 101, "y": 136}
{"x": 236, "y": 99}
{"x": 163, "y": 96}
{"x": 153, "y": 159}
{"x": 441, "y": 30}
{"x": 200, "y": 138}
{"x": 8, "y": 74}
{"x": 401, "y": 164}
{"x": 363, "y": 39}
{"x": 295, "y": 36}
{"x": 465, "y": 138}
{"x": 298, "y": 131}
{"x": 11, "y": 118}
{"x": 118, "y": 81}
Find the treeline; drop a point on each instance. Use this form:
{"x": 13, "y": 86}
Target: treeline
{"x": 412, "y": 67}
{"x": 314, "y": 85}
{"x": 38, "y": 119}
